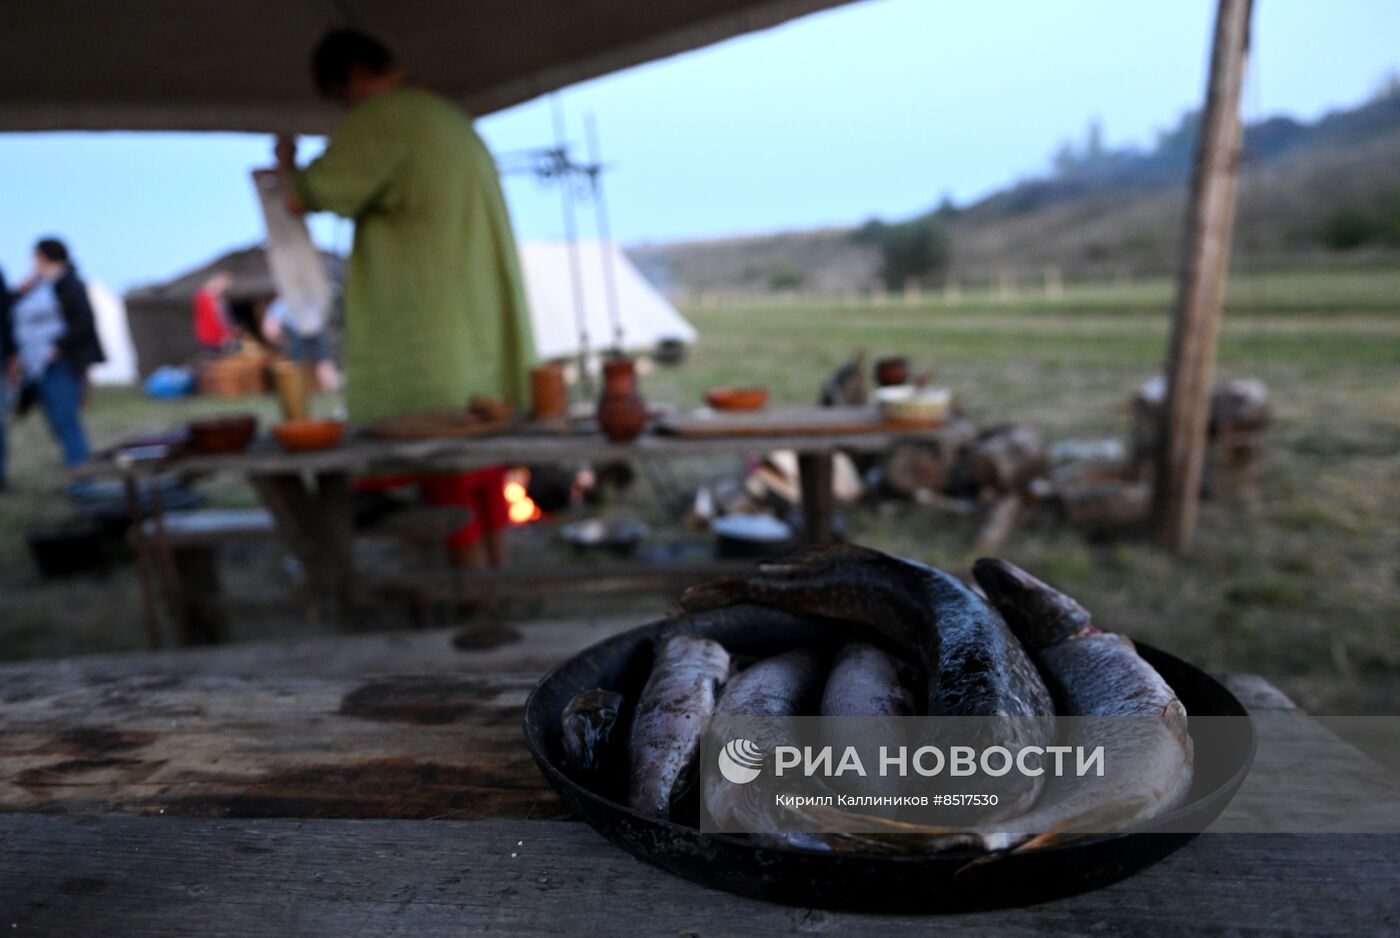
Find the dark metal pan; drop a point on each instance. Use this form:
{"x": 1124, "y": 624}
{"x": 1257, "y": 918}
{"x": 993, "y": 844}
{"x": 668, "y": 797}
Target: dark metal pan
{"x": 941, "y": 882}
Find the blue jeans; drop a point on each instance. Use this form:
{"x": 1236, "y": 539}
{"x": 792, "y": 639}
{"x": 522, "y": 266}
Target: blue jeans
{"x": 61, "y": 393}
{"x": 4, "y": 422}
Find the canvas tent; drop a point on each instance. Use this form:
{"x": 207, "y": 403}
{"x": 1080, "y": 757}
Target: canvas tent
{"x": 646, "y": 317}
{"x": 212, "y": 65}
{"x": 115, "y": 335}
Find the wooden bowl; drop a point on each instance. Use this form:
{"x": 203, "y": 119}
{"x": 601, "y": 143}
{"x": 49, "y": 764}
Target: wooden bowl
{"x": 737, "y": 398}
{"x": 302, "y": 435}
{"x": 230, "y": 434}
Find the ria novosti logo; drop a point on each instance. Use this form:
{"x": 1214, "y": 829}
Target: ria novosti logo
{"x": 740, "y": 761}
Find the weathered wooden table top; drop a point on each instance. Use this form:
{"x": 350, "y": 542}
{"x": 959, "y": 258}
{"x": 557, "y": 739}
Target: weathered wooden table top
{"x": 225, "y": 792}
{"x": 361, "y": 453}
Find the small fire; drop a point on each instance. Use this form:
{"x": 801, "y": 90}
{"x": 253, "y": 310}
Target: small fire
{"x": 521, "y": 507}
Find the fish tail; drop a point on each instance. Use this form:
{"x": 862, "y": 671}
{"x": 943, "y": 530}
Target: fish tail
{"x": 1110, "y": 816}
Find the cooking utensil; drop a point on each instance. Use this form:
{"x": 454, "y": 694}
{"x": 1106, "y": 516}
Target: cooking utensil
{"x": 618, "y": 536}
{"x": 227, "y": 434}
{"x": 737, "y": 398}
{"x": 304, "y": 435}
{"x": 436, "y": 424}
{"x": 739, "y": 536}
{"x": 941, "y": 882}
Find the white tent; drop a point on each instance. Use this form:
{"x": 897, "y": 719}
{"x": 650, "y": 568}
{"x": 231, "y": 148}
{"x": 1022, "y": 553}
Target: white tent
{"x": 647, "y": 318}
{"x": 115, "y": 334}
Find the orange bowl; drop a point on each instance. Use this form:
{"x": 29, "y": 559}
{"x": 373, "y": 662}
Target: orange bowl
{"x": 736, "y": 398}
{"x": 302, "y": 435}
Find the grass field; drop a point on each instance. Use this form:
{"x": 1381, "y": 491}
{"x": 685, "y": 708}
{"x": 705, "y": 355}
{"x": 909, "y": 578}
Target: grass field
{"x": 1301, "y": 585}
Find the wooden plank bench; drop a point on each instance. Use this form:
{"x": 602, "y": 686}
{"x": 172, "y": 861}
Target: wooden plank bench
{"x": 193, "y": 539}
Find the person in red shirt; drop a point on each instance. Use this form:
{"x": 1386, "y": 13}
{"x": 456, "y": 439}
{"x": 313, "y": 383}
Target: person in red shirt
{"x": 212, "y": 328}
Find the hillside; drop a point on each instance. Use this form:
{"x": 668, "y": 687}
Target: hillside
{"x": 1316, "y": 193}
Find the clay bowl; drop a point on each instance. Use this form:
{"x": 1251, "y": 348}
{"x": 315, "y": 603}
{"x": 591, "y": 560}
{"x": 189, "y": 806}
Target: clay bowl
{"x": 228, "y": 434}
{"x": 892, "y": 371}
{"x": 301, "y": 435}
{"x": 736, "y": 398}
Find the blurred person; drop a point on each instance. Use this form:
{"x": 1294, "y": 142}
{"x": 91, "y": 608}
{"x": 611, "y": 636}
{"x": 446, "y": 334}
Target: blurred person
{"x": 213, "y": 327}
{"x": 303, "y": 332}
{"x": 434, "y": 303}
{"x": 7, "y": 345}
{"x": 55, "y": 342}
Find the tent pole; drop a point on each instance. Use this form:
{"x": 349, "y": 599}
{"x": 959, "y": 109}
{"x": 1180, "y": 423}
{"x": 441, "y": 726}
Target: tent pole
{"x": 1201, "y": 284}
{"x": 571, "y": 237}
{"x": 600, "y": 208}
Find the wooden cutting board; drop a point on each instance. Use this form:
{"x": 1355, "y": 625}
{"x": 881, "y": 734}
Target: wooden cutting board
{"x": 784, "y": 421}
{"x": 437, "y": 424}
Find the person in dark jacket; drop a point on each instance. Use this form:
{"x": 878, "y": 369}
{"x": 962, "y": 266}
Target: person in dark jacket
{"x": 6, "y": 350}
{"x": 55, "y": 342}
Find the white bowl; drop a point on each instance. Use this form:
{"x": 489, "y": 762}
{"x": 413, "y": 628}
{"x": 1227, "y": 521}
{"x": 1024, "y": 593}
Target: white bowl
{"x": 907, "y": 403}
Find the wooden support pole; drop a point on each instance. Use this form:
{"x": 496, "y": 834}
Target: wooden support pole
{"x": 816, "y": 472}
{"x": 1201, "y": 287}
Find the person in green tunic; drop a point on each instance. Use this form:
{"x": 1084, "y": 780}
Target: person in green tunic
{"x": 434, "y": 304}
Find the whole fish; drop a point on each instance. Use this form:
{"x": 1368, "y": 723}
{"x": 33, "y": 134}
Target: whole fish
{"x": 1095, "y": 674}
{"x": 865, "y": 682}
{"x": 783, "y": 685}
{"x": 976, "y": 667}
{"x": 587, "y": 725}
{"x": 672, "y": 713}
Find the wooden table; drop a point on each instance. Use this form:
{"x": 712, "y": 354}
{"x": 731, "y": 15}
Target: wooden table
{"x": 222, "y": 791}
{"x": 308, "y": 493}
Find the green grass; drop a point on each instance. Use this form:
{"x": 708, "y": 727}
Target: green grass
{"x": 1275, "y": 292}
{"x": 1300, "y": 585}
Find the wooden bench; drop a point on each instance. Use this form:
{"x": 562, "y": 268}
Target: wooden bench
{"x": 192, "y": 539}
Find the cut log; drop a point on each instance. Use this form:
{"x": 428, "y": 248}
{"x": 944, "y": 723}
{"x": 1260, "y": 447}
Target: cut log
{"x": 1232, "y": 464}
{"x": 1006, "y": 459}
{"x": 1239, "y": 404}
{"x": 1106, "y": 506}
{"x": 928, "y": 465}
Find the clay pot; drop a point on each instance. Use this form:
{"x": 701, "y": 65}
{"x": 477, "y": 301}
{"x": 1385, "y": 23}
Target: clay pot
{"x": 548, "y": 392}
{"x": 892, "y": 371}
{"x": 621, "y": 411}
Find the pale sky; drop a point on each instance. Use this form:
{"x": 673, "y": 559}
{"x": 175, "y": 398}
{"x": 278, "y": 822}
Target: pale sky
{"x": 877, "y": 108}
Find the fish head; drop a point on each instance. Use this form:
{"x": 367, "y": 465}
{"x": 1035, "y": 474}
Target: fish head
{"x": 1037, "y": 612}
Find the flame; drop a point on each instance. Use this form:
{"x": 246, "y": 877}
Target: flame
{"x": 521, "y": 507}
